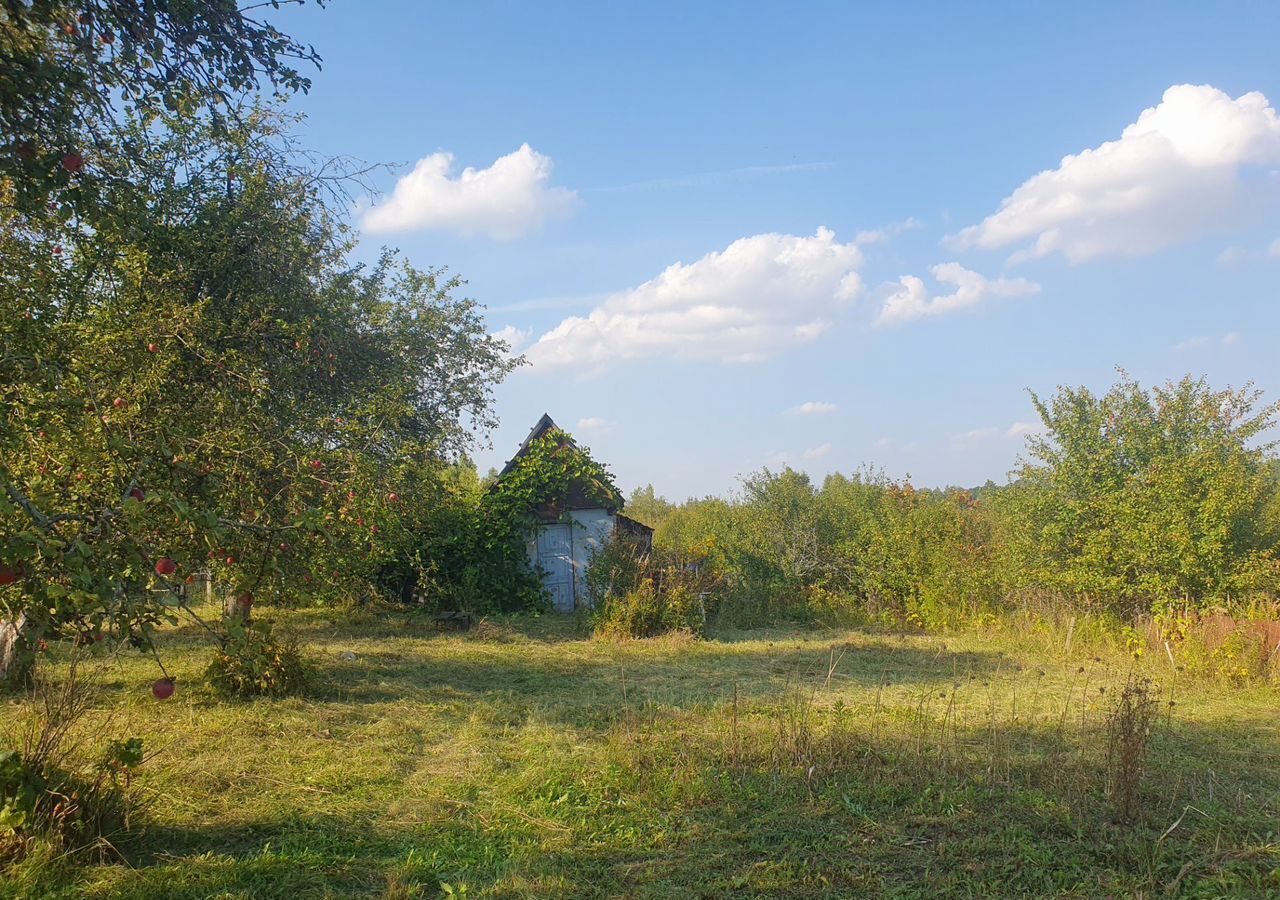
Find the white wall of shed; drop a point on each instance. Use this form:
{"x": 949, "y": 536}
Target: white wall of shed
{"x": 592, "y": 528}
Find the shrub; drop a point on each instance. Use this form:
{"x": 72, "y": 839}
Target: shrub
{"x": 1128, "y": 729}
{"x": 639, "y": 593}
{"x": 1140, "y": 501}
{"x": 648, "y": 610}
{"x": 55, "y": 792}
{"x": 254, "y": 661}
{"x": 617, "y": 568}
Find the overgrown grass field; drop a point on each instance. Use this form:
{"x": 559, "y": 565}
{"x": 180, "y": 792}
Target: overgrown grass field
{"x": 526, "y": 759}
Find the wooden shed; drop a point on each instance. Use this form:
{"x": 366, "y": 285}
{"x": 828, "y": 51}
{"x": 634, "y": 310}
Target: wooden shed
{"x": 570, "y": 530}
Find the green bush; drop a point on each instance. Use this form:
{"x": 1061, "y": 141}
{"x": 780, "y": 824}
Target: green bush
{"x": 254, "y": 661}
{"x": 647, "y": 611}
{"x": 53, "y": 794}
{"x": 71, "y": 811}
{"x": 1145, "y": 501}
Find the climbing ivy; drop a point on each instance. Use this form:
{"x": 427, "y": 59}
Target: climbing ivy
{"x": 543, "y": 477}
{"x": 551, "y": 471}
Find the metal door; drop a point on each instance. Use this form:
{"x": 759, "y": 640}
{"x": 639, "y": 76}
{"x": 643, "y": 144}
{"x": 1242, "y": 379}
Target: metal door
{"x": 555, "y": 558}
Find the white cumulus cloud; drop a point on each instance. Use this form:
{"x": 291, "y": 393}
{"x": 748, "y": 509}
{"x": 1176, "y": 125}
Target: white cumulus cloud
{"x": 592, "y": 423}
{"x": 1275, "y": 248}
{"x": 745, "y": 303}
{"x": 509, "y": 199}
{"x": 512, "y": 336}
{"x": 818, "y": 452}
{"x": 1021, "y": 429}
{"x": 1180, "y": 171}
{"x": 911, "y": 299}
{"x": 813, "y": 408}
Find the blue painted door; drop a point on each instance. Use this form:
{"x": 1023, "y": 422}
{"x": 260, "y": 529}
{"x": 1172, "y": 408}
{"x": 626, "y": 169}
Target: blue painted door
{"x": 555, "y": 559}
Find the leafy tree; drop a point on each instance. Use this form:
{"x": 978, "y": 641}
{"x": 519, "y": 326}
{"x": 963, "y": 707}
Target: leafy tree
{"x": 202, "y": 380}
{"x": 74, "y": 74}
{"x": 645, "y": 505}
{"x": 1137, "y": 500}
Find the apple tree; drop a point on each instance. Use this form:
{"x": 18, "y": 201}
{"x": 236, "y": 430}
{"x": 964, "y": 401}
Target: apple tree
{"x": 203, "y": 381}
{"x": 74, "y": 72}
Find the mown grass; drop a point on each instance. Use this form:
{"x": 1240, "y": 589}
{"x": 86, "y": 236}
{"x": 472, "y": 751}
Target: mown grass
{"x": 525, "y": 759}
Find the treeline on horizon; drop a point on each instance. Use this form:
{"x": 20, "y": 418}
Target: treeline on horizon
{"x": 1130, "y": 504}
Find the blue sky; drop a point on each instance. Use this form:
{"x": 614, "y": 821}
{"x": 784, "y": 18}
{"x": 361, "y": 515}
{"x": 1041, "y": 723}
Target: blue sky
{"x": 737, "y": 235}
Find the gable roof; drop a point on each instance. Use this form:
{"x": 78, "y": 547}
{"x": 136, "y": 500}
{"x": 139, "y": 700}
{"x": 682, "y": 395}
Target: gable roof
{"x": 544, "y": 425}
{"x": 578, "y": 494}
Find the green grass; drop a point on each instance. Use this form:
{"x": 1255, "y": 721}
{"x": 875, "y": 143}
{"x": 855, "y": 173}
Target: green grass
{"x": 524, "y": 759}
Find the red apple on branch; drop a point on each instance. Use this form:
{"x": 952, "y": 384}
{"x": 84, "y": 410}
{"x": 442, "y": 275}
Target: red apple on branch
{"x": 165, "y": 566}
{"x": 73, "y": 162}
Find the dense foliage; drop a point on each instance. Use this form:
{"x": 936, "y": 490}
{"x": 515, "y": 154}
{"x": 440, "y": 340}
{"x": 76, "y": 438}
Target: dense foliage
{"x": 637, "y": 592}
{"x": 1139, "y": 500}
{"x": 73, "y": 75}
{"x": 1136, "y": 502}
{"x": 202, "y": 380}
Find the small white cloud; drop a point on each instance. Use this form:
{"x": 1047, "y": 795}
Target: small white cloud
{"x": 911, "y": 299}
{"x": 813, "y": 408}
{"x": 818, "y": 452}
{"x": 1275, "y": 247}
{"x": 592, "y": 423}
{"x": 977, "y": 436}
{"x": 758, "y": 296}
{"x": 1231, "y": 256}
{"x": 892, "y": 230}
{"x": 884, "y": 443}
{"x": 1195, "y": 343}
{"x": 509, "y": 199}
{"x": 1173, "y": 175}
{"x": 777, "y": 459}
